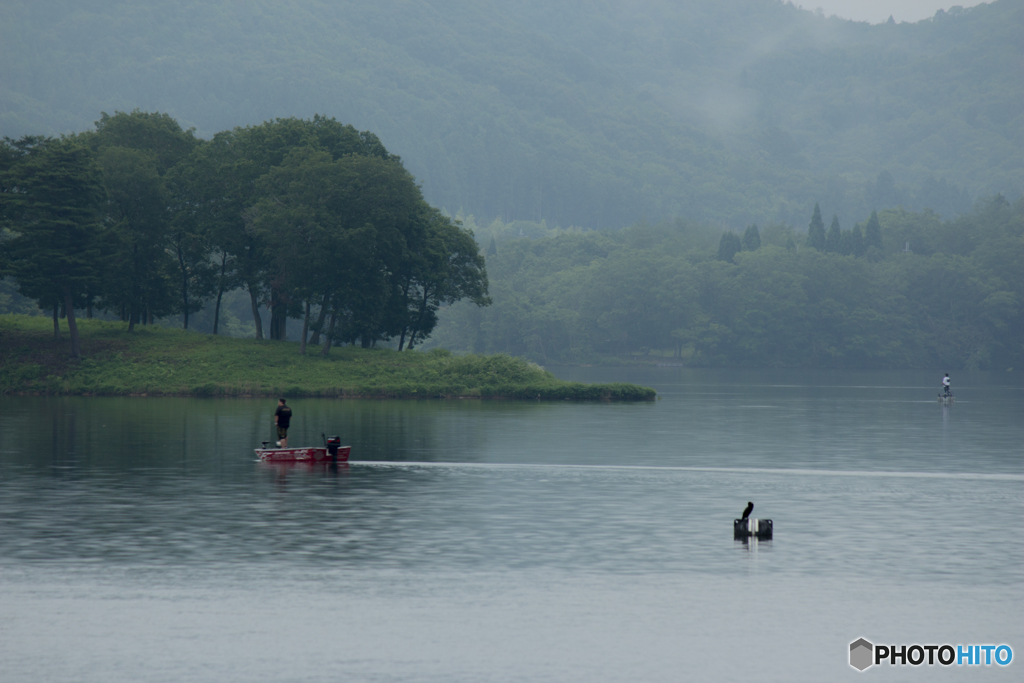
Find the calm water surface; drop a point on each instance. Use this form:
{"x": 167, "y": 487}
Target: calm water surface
{"x": 498, "y": 541}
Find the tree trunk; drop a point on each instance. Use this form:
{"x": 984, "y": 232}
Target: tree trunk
{"x": 184, "y": 287}
{"x": 405, "y": 328}
{"x": 133, "y": 314}
{"x": 56, "y": 321}
{"x": 419, "y": 318}
{"x": 216, "y": 311}
{"x": 315, "y": 339}
{"x": 256, "y": 313}
{"x": 76, "y": 347}
{"x": 330, "y": 334}
{"x": 278, "y": 315}
{"x": 305, "y": 330}
{"x": 220, "y": 290}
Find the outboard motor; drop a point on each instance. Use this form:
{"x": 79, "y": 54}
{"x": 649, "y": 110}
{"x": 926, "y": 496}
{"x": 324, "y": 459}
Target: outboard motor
{"x": 333, "y": 444}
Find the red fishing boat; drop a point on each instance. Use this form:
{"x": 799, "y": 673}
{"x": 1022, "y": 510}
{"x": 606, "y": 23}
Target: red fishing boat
{"x": 331, "y": 451}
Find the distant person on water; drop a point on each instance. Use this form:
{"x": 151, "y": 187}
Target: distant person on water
{"x": 945, "y": 385}
{"x": 282, "y": 418}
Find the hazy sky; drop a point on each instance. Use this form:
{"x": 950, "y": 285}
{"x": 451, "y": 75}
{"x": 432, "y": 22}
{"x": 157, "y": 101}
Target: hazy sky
{"x": 877, "y": 11}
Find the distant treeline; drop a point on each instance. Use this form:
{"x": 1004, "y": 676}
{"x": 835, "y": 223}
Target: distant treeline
{"x": 902, "y": 290}
{"x": 312, "y": 218}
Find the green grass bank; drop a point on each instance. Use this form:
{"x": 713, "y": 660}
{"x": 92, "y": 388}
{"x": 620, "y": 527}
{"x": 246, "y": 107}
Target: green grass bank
{"x": 156, "y": 361}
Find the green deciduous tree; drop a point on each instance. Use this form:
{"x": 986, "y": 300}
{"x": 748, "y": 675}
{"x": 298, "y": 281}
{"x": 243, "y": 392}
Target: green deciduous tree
{"x": 242, "y": 157}
{"x": 139, "y": 285}
{"x": 51, "y": 199}
{"x": 162, "y": 263}
{"x": 446, "y": 268}
{"x": 353, "y": 236}
{"x": 198, "y": 232}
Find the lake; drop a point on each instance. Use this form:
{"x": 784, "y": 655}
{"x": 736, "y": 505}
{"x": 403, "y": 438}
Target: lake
{"x": 517, "y": 541}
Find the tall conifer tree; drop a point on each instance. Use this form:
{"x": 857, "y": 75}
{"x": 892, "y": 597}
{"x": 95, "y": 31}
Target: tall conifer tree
{"x": 857, "y": 241}
{"x": 834, "y": 238}
{"x": 873, "y": 232}
{"x": 751, "y": 239}
{"x": 728, "y": 246}
{"x": 816, "y": 230}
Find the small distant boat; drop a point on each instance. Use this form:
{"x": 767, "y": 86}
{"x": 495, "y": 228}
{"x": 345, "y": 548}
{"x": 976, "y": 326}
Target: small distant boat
{"x": 331, "y": 451}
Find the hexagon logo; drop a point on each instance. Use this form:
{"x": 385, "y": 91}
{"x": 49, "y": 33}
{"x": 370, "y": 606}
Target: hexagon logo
{"x": 861, "y": 654}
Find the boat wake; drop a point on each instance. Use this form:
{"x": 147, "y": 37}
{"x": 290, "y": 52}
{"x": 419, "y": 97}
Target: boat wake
{"x": 671, "y": 468}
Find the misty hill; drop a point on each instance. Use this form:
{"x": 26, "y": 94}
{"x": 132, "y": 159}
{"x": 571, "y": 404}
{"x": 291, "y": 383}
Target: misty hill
{"x": 908, "y": 291}
{"x": 591, "y": 113}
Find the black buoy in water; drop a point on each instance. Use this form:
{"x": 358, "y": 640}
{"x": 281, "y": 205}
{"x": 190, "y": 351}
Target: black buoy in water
{"x": 745, "y": 527}
{"x": 760, "y": 529}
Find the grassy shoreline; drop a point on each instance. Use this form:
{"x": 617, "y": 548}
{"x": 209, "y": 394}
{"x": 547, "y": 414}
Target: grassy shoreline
{"x": 156, "y": 361}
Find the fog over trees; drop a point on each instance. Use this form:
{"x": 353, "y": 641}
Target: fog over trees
{"x": 755, "y": 146}
{"x": 592, "y": 114}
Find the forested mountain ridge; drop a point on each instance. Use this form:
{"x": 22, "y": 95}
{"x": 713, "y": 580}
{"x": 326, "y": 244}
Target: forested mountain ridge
{"x": 584, "y": 113}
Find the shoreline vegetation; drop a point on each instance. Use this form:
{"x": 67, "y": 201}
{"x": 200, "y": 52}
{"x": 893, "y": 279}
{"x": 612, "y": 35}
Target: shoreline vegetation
{"x": 157, "y": 361}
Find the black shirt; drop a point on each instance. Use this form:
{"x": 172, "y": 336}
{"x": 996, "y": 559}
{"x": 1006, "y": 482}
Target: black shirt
{"x": 284, "y": 416}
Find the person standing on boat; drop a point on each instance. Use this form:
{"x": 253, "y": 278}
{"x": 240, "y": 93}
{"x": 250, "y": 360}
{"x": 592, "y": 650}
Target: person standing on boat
{"x": 283, "y": 419}
{"x": 945, "y": 384}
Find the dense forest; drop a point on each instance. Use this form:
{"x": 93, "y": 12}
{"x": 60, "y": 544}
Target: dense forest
{"x": 591, "y": 114}
{"x": 311, "y": 218}
{"x": 901, "y": 290}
